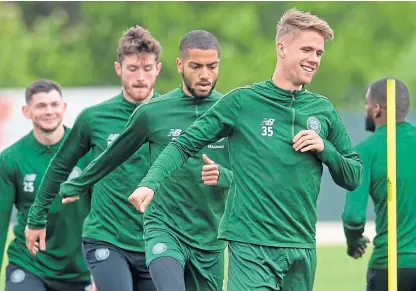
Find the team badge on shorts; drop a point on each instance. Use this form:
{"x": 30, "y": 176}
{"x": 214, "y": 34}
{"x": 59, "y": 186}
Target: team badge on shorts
{"x": 102, "y": 254}
{"x": 159, "y": 248}
{"x": 314, "y": 124}
{"x": 17, "y": 276}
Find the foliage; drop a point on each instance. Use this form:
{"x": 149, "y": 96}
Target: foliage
{"x": 76, "y": 44}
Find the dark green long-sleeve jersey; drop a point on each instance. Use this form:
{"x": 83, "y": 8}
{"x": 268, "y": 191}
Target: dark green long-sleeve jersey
{"x": 112, "y": 218}
{"x": 22, "y": 167}
{"x": 272, "y": 199}
{"x": 183, "y": 205}
{"x": 373, "y": 152}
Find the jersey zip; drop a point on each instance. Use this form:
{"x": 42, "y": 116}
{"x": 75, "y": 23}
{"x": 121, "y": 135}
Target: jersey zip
{"x": 196, "y": 108}
{"x": 293, "y": 113}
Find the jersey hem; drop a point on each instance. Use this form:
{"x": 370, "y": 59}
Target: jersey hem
{"x": 267, "y": 243}
{"x": 116, "y": 243}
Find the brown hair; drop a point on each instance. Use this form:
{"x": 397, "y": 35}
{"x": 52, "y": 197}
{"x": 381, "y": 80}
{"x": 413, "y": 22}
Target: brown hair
{"x": 41, "y": 86}
{"x": 138, "y": 40}
{"x": 294, "y": 20}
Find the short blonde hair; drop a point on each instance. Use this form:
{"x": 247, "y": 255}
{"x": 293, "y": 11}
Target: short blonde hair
{"x": 294, "y": 20}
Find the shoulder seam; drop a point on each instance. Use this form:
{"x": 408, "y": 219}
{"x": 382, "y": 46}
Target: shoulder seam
{"x": 99, "y": 105}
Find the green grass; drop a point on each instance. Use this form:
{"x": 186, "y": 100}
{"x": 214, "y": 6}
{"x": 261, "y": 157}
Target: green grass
{"x": 5, "y": 262}
{"x": 335, "y": 270}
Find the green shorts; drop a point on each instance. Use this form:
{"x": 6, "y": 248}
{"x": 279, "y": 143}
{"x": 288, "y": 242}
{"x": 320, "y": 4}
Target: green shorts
{"x": 262, "y": 268}
{"x": 204, "y": 270}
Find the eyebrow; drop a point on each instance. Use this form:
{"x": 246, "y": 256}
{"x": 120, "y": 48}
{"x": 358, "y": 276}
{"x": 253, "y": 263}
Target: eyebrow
{"x": 46, "y": 103}
{"x": 134, "y": 65}
{"x": 195, "y": 63}
{"x": 309, "y": 47}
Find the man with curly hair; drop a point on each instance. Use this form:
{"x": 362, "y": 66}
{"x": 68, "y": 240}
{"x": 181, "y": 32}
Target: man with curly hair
{"x": 113, "y": 231}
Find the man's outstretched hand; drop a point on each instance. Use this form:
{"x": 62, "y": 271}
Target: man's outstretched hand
{"x": 141, "y": 198}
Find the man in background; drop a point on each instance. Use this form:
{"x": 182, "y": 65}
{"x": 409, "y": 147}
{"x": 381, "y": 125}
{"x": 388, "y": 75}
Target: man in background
{"x": 373, "y": 153}
{"x": 22, "y": 167}
{"x": 113, "y": 230}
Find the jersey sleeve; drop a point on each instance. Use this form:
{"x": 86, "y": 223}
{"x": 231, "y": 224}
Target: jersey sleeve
{"x": 7, "y": 199}
{"x": 217, "y": 122}
{"x": 74, "y": 147}
{"x": 342, "y": 160}
{"x": 226, "y": 177}
{"x": 134, "y": 135}
{"x": 355, "y": 208}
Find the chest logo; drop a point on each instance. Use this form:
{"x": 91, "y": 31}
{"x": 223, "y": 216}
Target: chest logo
{"x": 174, "y": 133}
{"x": 267, "y": 126}
{"x": 28, "y": 181}
{"x": 112, "y": 137}
{"x": 314, "y": 124}
{"x": 76, "y": 172}
{"x": 216, "y": 145}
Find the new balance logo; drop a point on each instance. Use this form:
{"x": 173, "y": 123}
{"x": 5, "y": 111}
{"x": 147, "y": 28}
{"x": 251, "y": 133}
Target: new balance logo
{"x": 267, "y": 122}
{"x": 112, "y": 137}
{"x": 28, "y": 181}
{"x": 267, "y": 126}
{"x": 174, "y": 133}
{"x": 30, "y": 178}
{"x": 76, "y": 172}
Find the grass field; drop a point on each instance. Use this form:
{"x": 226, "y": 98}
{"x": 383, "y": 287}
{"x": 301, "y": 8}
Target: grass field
{"x": 335, "y": 270}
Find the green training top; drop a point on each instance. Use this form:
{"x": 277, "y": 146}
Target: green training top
{"x": 112, "y": 218}
{"x": 373, "y": 152}
{"x": 272, "y": 199}
{"x": 22, "y": 167}
{"x": 184, "y": 205}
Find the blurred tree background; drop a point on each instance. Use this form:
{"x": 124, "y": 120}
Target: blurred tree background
{"x": 75, "y": 42}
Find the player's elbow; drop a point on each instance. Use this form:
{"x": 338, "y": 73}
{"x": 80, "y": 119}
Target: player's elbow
{"x": 353, "y": 180}
{"x": 353, "y": 220}
{"x": 354, "y": 184}
{"x": 349, "y": 184}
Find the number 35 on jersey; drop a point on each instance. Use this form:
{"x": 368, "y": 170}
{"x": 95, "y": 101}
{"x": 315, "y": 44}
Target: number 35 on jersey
{"x": 267, "y": 126}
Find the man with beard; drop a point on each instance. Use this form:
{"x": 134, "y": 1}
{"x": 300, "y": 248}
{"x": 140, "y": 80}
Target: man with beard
{"x": 280, "y": 136}
{"x": 113, "y": 230}
{"x": 22, "y": 166}
{"x": 180, "y": 227}
{"x": 373, "y": 152}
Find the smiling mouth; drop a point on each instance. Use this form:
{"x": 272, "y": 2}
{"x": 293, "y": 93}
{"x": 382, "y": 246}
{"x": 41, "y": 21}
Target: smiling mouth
{"x": 308, "y": 69}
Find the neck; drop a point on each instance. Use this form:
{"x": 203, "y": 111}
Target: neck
{"x": 186, "y": 91}
{"x": 49, "y": 138}
{"x": 131, "y": 100}
{"x": 384, "y": 122}
{"x": 280, "y": 80}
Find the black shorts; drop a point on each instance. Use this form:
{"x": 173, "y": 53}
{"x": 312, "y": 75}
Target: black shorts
{"x": 19, "y": 279}
{"x": 377, "y": 279}
{"x": 116, "y": 269}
